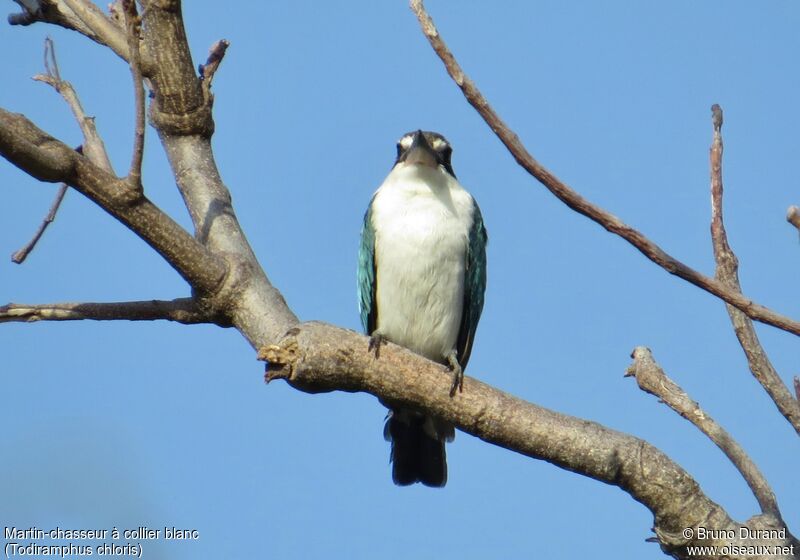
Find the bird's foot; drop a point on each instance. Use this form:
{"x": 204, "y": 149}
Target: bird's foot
{"x": 375, "y": 341}
{"x": 458, "y": 374}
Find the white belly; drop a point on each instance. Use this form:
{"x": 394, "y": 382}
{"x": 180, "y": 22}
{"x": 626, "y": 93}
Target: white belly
{"x": 421, "y": 236}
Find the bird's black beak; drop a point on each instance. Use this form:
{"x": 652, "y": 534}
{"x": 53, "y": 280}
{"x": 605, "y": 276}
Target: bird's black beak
{"x": 420, "y": 152}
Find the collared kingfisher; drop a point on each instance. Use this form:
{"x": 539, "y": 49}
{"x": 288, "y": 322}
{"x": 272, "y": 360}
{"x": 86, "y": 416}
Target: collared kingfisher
{"x": 421, "y": 280}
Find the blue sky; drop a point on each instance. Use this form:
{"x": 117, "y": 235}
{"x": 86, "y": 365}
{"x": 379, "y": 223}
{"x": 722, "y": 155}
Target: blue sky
{"x": 154, "y": 424}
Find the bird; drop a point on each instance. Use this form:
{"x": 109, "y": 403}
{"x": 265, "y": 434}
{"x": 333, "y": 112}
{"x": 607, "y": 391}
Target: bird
{"x": 421, "y": 282}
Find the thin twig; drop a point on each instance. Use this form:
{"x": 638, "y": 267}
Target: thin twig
{"x": 728, "y": 273}
{"x": 20, "y": 256}
{"x": 181, "y": 310}
{"x": 652, "y": 379}
{"x": 50, "y": 60}
{"x": 93, "y": 146}
{"x": 793, "y": 216}
{"x": 575, "y": 201}
{"x": 133, "y": 26}
{"x": 45, "y": 158}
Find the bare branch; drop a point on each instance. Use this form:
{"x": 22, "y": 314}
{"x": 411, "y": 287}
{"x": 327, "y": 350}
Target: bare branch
{"x": 797, "y": 387}
{"x": 181, "y": 114}
{"x": 182, "y": 310}
{"x": 133, "y": 27}
{"x": 93, "y": 146}
{"x": 575, "y": 201}
{"x": 50, "y": 60}
{"x": 20, "y": 255}
{"x": 79, "y": 15}
{"x": 315, "y": 357}
{"x": 793, "y": 216}
{"x": 178, "y": 106}
{"x": 95, "y": 19}
{"x": 652, "y": 379}
{"x": 728, "y": 273}
{"x": 226, "y": 273}
{"x": 48, "y": 11}
{"x": 45, "y": 158}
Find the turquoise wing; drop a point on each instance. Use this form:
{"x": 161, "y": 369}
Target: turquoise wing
{"x": 367, "y": 306}
{"x": 474, "y": 286}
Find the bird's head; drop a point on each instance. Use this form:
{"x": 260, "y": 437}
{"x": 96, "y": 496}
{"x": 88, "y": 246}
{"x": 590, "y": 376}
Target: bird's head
{"x": 426, "y": 148}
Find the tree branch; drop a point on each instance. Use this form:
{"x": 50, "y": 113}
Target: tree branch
{"x": 182, "y": 310}
{"x": 45, "y": 158}
{"x": 728, "y": 273}
{"x": 100, "y": 24}
{"x": 93, "y": 146}
{"x": 315, "y": 357}
{"x": 78, "y": 15}
{"x": 576, "y": 202}
{"x": 652, "y": 379}
{"x": 132, "y": 30}
{"x": 178, "y": 105}
{"x": 181, "y": 114}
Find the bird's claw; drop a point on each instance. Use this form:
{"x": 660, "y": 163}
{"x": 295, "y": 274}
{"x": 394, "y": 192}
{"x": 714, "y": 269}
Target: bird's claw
{"x": 458, "y": 374}
{"x": 375, "y": 341}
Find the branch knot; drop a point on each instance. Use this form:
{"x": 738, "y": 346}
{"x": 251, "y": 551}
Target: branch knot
{"x": 197, "y": 122}
{"x": 280, "y": 359}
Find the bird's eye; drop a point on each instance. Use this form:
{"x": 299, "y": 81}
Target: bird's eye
{"x": 446, "y": 151}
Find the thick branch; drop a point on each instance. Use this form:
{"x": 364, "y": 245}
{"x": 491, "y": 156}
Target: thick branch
{"x": 575, "y": 201}
{"x": 178, "y": 106}
{"x": 728, "y": 273}
{"x": 45, "y": 158}
{"x": 181, "y": 113}
{"x": 183, "y": 310}
{"x": 315, "y": 357}
{"x": 652, "y": 379}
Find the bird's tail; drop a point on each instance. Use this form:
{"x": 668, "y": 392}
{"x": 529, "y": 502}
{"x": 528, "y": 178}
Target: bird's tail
{"x": 418, "y": 453}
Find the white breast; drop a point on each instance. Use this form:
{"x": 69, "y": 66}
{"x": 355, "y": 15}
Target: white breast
{"x": 422, "y": 218}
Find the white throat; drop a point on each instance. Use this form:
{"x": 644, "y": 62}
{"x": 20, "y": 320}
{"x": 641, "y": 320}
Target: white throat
{"x": 422, "y": 218}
